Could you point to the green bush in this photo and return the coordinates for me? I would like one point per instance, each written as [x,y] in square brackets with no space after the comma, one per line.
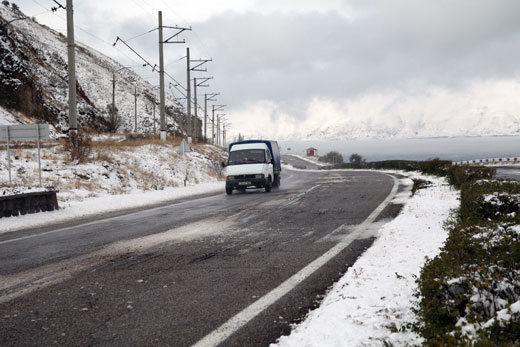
[435,167]
[476,273]
[483,201]
[458,175]
[407,165]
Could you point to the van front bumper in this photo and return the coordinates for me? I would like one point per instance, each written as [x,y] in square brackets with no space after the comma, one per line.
[244,183]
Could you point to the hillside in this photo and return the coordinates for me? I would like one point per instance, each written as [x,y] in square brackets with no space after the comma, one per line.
[34,88]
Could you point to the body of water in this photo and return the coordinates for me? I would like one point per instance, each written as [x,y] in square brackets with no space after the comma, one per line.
[449,148]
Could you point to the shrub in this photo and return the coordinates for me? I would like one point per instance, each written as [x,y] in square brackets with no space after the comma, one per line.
[435,167]
[475,275]
[332,157]
[419,184]
[458,175]
[79,146]
[407,165]
[483,200]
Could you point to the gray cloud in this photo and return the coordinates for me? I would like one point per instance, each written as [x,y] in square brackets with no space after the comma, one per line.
[284,57]
[293,57]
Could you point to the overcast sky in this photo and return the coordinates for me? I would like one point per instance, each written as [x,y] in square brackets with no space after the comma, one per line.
[284,61]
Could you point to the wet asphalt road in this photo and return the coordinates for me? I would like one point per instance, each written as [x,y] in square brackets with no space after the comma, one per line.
[173,274]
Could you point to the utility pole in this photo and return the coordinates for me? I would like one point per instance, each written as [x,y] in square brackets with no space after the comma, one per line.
[188,90]
[135,109]
[154,131]
[219,117]
[161,69]
[214,108]
[188,93]
[206,99]
[195,85]
[113,111]
[224,134]
[161,80]
[73,123]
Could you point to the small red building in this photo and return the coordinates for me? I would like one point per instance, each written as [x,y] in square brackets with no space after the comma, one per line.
[311,152]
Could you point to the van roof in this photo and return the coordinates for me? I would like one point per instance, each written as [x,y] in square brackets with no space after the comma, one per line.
[241,146]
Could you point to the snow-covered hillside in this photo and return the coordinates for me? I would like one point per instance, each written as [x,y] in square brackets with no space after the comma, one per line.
[33,70]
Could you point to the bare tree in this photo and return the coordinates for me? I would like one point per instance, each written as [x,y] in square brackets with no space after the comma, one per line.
[357,160]
[114,121]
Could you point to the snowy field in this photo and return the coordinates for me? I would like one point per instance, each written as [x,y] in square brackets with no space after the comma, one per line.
[373,300]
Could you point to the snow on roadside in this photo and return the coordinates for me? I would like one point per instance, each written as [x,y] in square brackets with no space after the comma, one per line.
[75,209]
[309,160]
[114,178]
[374,297]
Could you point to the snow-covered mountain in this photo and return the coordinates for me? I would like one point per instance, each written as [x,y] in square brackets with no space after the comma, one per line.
[34,82]
[471,108]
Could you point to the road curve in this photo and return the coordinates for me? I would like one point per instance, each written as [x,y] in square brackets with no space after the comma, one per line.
[174,274]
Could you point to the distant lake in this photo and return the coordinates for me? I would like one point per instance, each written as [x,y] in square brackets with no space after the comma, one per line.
[449,148]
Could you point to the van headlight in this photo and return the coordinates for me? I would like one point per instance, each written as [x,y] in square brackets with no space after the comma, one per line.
[260,176]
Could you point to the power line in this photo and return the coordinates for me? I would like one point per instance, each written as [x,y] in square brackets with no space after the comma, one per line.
[37,3]
[135,52]
[149,31]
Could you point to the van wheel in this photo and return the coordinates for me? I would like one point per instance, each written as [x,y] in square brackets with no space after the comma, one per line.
[229,190]
[268,186]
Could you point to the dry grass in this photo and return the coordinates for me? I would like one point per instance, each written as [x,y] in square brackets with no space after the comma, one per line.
[137,141]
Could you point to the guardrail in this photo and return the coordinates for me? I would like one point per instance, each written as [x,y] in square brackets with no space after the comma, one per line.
[489,161]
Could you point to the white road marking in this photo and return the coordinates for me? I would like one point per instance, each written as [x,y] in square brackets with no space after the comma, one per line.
[242,318]
[299,196]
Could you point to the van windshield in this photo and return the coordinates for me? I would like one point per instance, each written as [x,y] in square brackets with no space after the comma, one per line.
[247,156]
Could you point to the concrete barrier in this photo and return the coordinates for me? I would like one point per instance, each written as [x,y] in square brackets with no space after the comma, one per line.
[14,205]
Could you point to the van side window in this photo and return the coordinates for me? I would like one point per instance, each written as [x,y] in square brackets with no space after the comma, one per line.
[268,156]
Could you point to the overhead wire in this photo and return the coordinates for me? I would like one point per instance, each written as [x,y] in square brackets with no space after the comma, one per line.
[147,8]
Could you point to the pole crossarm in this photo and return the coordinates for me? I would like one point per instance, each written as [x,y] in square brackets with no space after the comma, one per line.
[200,63]
[204,80]
[219,107]
[179,31]
[211,96]
[54,9]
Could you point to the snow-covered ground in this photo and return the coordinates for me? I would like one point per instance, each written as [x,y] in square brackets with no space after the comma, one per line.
[115,177]
[373,300]
[312,160]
